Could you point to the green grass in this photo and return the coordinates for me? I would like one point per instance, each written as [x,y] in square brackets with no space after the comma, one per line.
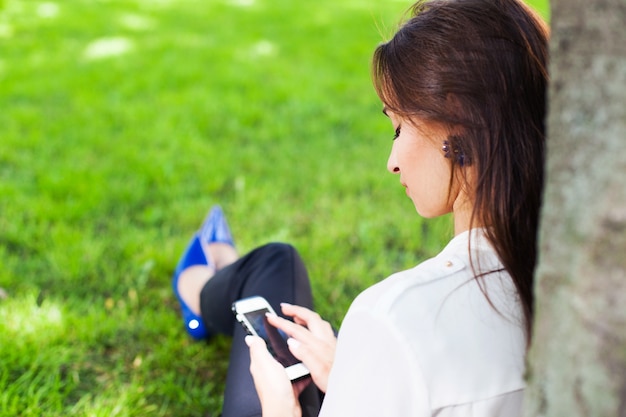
[109,163]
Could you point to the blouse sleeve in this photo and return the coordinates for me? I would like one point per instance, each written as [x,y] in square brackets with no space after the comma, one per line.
[374,372]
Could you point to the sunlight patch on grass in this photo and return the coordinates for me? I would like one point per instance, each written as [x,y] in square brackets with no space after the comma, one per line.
[110,404]
[6,30]
[137,22]
[242,3]
[25,317]
[262,48]
[47,10]
[107,47]
[152,4]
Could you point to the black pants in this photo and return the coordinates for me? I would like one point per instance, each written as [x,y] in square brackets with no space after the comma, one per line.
[277,273]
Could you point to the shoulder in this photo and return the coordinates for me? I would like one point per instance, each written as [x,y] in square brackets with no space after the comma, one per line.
[431,280]
[465,349]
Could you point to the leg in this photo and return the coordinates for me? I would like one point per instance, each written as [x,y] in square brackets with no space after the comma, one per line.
[193,278]
[274,271]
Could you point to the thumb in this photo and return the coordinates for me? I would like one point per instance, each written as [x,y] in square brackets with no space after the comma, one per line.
[262,364]
[258,348]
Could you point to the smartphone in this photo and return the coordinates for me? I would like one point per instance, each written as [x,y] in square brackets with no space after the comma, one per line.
[251,313]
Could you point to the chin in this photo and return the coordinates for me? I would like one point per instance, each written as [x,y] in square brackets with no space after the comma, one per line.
[425,213]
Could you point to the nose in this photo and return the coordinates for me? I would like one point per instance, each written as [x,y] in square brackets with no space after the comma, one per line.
[392,162]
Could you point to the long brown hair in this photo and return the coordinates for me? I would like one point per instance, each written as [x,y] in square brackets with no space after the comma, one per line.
[479,67]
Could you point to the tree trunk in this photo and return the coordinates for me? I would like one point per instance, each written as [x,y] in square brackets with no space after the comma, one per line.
[577,362]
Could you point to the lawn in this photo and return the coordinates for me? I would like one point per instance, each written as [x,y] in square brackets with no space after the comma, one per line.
[121,123]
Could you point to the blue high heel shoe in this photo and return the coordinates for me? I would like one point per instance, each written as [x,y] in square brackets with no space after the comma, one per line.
[193,255]
[213,229]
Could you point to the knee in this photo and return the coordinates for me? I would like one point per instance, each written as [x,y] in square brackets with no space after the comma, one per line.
[278,251]
[282,275]
[279,258]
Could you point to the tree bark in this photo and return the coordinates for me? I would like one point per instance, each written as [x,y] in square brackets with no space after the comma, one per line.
[577,362]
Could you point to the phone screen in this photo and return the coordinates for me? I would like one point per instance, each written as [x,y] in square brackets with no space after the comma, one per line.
[275,339]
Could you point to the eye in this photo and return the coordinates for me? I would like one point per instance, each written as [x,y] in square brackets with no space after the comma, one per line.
[397,134]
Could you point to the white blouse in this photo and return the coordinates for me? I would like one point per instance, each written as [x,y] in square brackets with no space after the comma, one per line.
[427,342]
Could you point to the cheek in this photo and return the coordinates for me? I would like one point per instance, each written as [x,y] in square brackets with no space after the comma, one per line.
[429,185]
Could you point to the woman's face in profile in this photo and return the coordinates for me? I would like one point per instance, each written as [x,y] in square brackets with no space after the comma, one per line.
[417,157]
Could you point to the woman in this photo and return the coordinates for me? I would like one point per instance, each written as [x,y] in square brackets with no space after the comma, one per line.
[463,83]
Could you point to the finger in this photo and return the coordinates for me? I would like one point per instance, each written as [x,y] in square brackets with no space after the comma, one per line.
[306,317]
[292,329]
[262,363]
[310,354]
[318,359]
[258,349]
[254,342]
[297,311]
[291,311]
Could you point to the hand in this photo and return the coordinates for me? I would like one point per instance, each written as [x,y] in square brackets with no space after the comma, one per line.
[279,398]
[312,340]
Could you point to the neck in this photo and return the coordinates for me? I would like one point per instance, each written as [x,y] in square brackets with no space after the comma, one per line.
[462,213]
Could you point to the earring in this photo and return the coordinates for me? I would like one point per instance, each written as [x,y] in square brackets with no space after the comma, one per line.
[454,152]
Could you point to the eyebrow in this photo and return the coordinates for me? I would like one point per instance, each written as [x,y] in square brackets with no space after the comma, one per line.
[385,111]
